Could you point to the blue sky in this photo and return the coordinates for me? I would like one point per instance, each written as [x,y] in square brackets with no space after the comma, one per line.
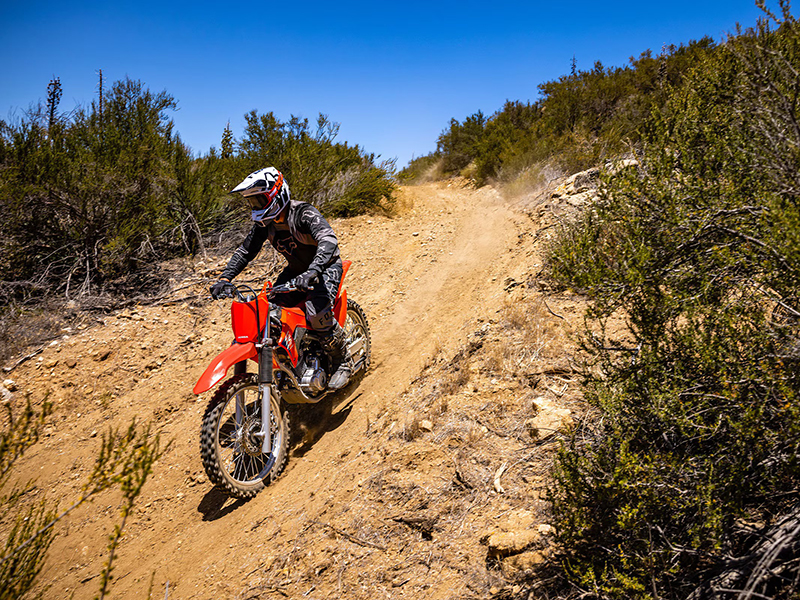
[392,74]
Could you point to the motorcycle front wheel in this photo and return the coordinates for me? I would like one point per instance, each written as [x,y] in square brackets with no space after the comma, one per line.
[231,452]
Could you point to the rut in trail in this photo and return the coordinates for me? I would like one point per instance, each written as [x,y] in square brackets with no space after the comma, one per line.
[395,491]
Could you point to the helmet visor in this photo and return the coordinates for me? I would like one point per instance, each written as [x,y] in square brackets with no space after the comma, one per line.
[260,201]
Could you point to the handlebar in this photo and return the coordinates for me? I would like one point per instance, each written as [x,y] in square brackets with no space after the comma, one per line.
[286,288]
[237,291]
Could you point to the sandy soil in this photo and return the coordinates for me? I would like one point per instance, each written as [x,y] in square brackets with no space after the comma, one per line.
[404,489]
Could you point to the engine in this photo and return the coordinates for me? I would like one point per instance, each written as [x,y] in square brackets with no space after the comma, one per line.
[313,379]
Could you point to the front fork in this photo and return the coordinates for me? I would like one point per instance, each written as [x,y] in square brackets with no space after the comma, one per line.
[265,391]
[238,369]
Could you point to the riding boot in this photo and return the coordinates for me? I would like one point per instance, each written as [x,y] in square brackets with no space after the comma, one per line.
[335,346]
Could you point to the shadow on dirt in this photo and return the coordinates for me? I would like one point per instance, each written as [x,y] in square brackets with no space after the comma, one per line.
[309,423]
[216,504]
[312,421]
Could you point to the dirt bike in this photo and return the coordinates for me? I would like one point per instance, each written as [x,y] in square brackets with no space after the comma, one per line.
[245,435]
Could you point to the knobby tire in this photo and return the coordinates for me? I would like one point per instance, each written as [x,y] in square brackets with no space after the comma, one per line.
[231,458]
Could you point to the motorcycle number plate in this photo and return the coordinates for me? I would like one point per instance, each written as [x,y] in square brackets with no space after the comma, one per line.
[287,343]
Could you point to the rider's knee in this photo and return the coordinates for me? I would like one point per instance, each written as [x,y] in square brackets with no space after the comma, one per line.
[322,321]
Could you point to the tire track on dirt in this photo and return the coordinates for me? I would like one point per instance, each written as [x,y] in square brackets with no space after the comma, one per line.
[424,276]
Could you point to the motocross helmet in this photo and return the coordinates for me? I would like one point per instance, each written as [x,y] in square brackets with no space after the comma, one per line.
[267,192]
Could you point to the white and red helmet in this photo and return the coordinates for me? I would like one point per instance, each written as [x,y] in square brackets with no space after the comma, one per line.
[267,192]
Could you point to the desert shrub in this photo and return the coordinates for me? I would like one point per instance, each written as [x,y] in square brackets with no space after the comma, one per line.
[458,145]
[685,484]
[125,460]
[91,198]
[28,537]
[363,187]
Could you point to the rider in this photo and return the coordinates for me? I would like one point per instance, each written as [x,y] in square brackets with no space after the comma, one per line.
[302,235]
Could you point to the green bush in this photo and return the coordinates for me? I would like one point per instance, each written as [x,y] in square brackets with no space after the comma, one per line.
[86,201]
[458,146]
[684,482]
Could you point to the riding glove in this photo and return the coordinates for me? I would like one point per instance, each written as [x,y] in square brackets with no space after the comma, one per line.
[221,289]
[305,281]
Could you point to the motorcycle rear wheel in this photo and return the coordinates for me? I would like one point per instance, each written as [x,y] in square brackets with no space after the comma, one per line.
[358,337]
[231,453]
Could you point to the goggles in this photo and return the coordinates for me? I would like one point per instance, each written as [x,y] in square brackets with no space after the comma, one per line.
[264,199]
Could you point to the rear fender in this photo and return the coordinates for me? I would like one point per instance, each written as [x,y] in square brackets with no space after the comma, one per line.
[216,371]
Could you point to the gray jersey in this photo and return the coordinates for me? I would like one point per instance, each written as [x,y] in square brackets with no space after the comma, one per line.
[305,239]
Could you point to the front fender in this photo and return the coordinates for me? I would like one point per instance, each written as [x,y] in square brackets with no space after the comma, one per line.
[218,368]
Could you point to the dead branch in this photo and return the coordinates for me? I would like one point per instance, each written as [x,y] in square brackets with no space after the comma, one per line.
[497,487]
[350,537]
[23,359]
[757,568]
[544,301]
[424,525]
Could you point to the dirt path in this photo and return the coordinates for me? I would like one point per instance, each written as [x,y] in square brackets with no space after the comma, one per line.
[432,280]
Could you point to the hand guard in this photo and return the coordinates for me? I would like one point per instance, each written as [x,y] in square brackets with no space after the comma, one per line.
[221,289]
[305,281]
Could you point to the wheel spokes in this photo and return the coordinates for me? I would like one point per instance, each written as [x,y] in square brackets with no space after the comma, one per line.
[357,342]
[239,457]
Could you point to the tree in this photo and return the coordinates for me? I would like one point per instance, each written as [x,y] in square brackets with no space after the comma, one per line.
[459,144]
[110,189]
[339,179]
[227,142]
[53,100]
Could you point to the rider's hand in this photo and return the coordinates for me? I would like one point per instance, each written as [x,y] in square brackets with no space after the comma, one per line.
[221,289]
[305,281]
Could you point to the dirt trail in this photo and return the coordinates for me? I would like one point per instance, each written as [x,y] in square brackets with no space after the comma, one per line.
[431,279]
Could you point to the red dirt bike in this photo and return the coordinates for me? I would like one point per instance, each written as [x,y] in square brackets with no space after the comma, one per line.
[245,437]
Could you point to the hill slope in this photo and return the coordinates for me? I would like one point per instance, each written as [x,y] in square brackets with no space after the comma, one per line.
[426,480]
